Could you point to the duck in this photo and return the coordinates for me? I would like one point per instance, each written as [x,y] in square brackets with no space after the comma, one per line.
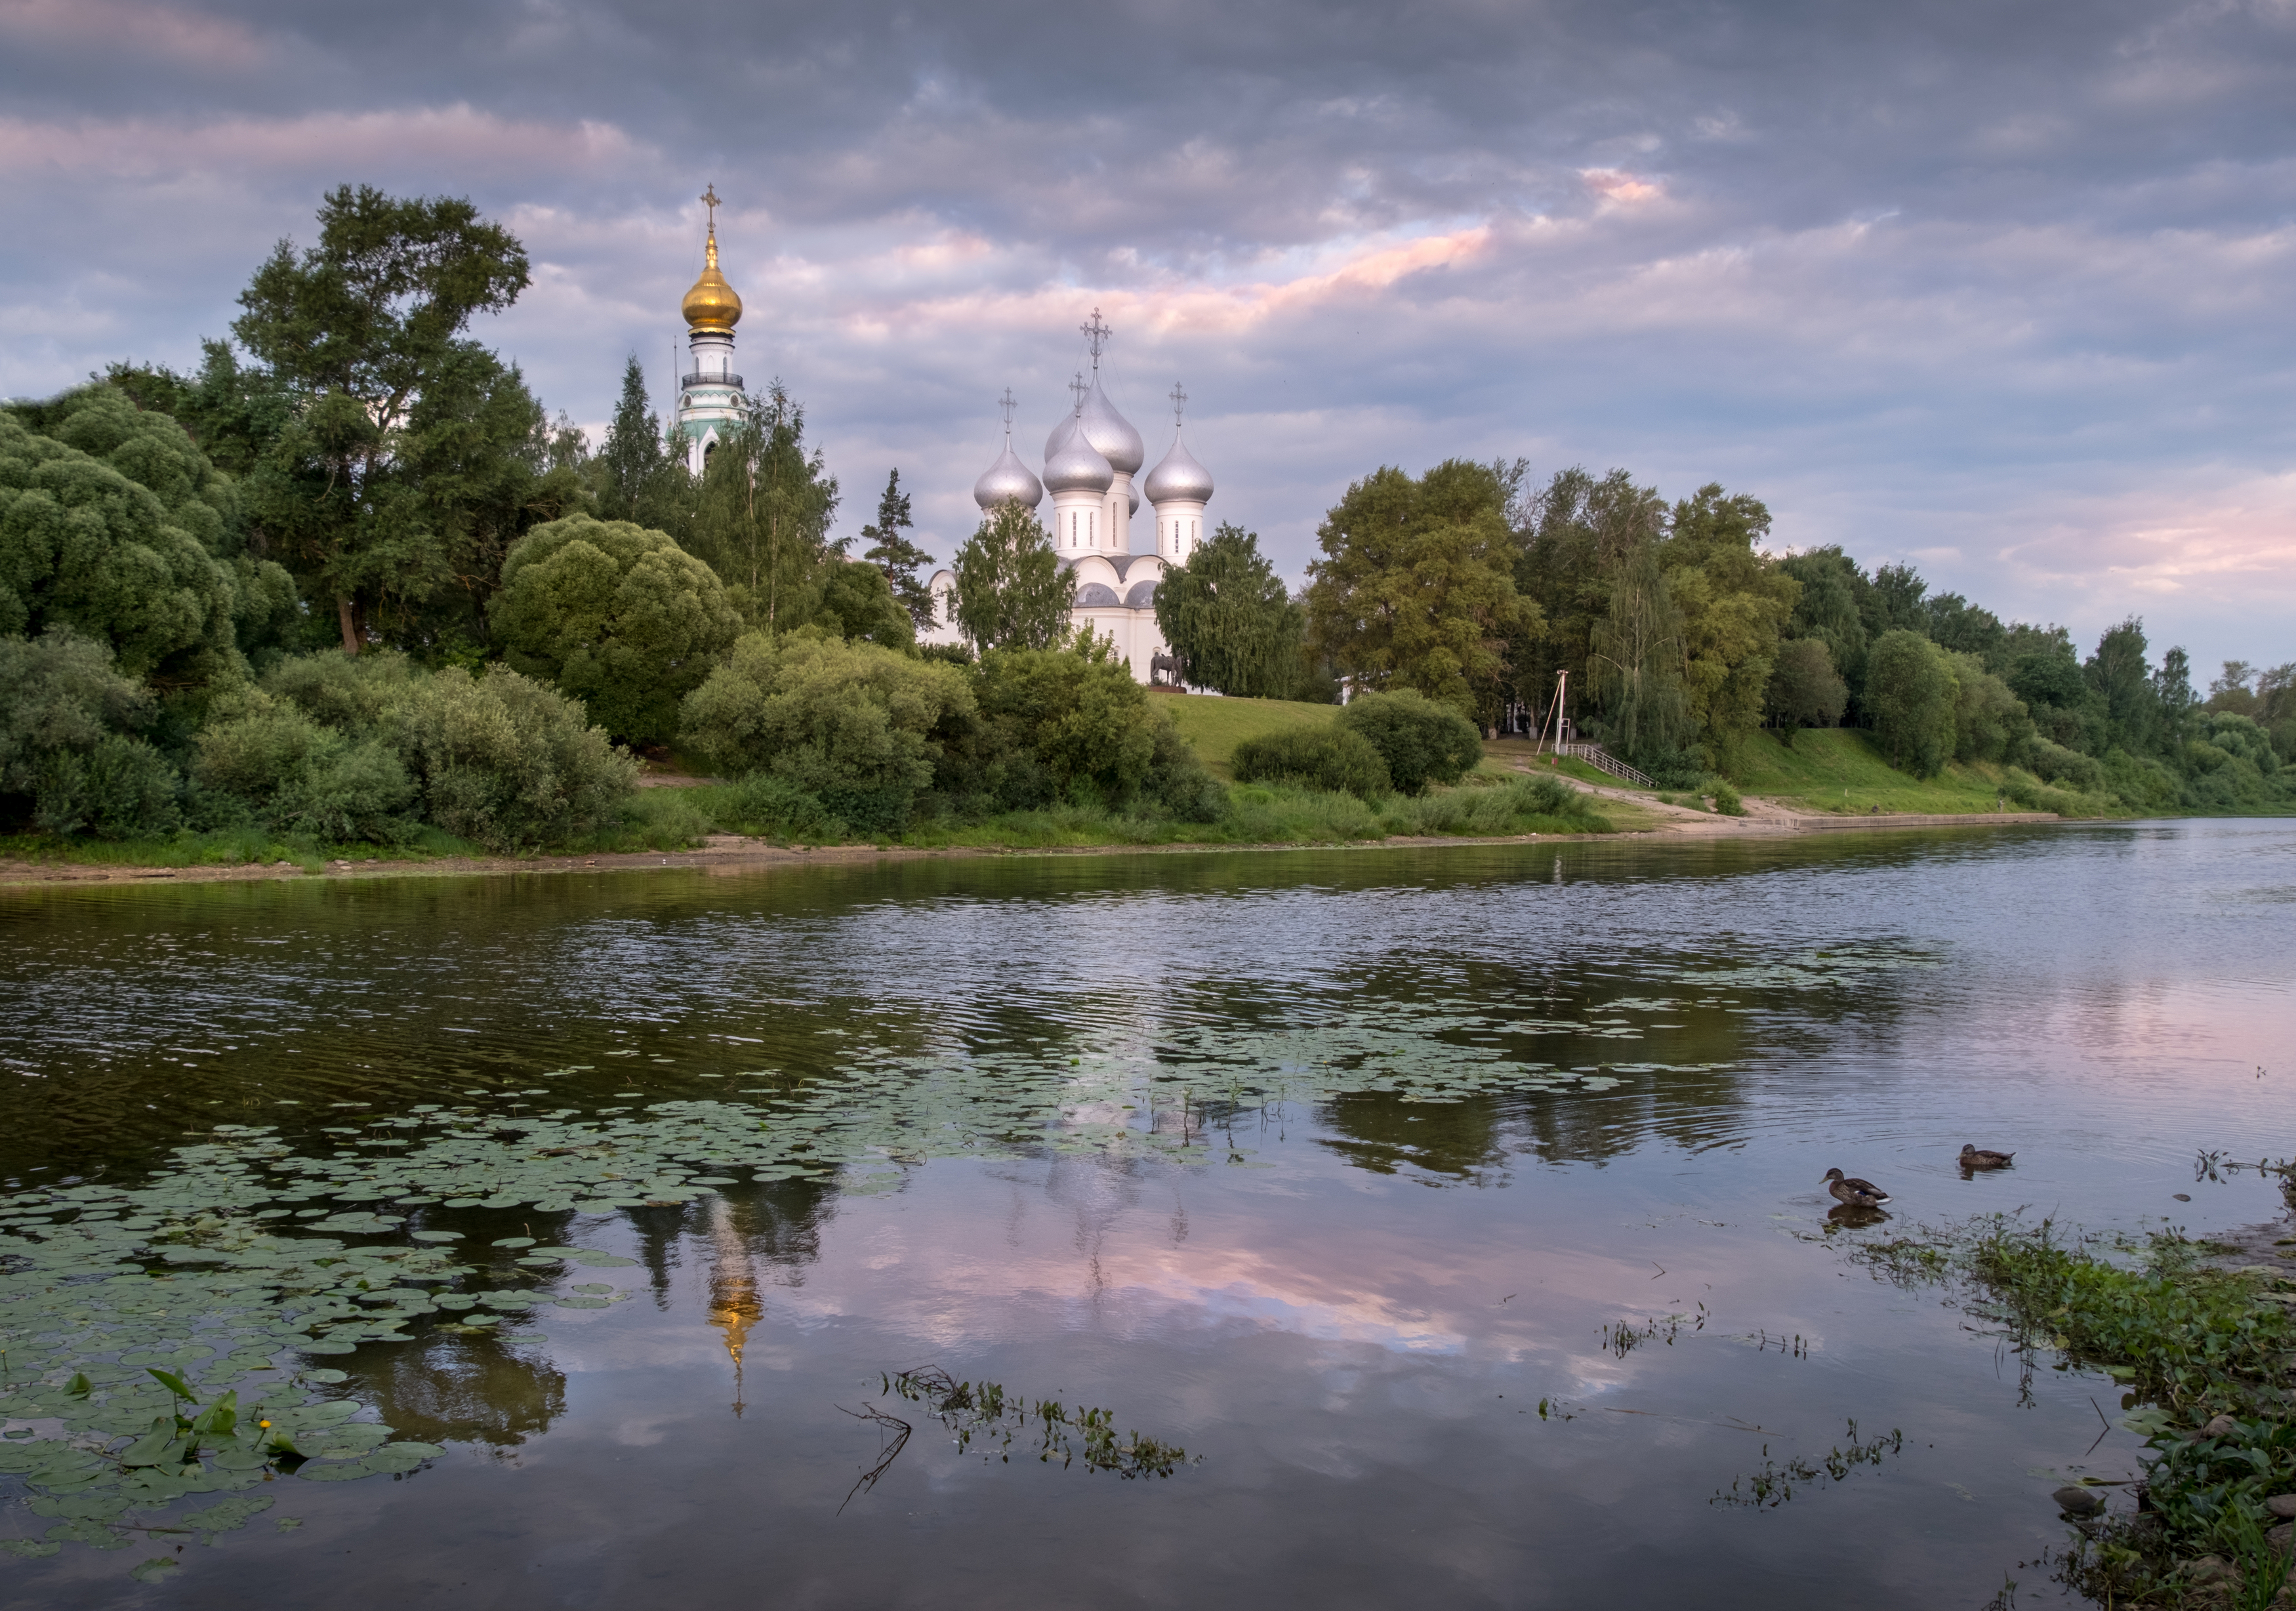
[1854,1192]
[1978,1158]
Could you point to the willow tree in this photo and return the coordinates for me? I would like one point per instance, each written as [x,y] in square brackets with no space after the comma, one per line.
[1635,662]
[762,521]
[1230,622]
[1011,590]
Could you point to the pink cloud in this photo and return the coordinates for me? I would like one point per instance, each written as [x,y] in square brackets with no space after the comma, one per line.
[117,26]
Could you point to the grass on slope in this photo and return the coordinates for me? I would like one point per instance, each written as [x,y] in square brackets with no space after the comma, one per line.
[1838,769]
[1215,726]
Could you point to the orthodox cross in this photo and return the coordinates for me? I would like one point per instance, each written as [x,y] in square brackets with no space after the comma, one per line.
[1179,404]
[1005,405]
[1097,333]
[1077,389]
[709,199]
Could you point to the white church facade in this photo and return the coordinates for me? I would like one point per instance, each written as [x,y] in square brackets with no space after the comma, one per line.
[1091,459]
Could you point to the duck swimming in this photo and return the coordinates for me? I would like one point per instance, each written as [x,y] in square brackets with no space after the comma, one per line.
[1978,1158]
[1849,1189]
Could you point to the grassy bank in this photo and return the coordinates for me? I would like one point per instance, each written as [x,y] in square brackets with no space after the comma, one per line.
[682,819]
[1214,726]
[2201,1354]
[1840,769]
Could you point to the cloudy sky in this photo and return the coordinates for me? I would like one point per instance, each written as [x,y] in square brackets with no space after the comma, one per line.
[2005,288]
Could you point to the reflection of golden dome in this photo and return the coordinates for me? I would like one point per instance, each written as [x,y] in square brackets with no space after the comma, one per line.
[711,303]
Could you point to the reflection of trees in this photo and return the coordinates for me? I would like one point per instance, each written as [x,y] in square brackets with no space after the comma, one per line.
[1381,1132]
[458,1388]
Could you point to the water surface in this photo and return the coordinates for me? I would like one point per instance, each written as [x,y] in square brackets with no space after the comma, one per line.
[1333,1168]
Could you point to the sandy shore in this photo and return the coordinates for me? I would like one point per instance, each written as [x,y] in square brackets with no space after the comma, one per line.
[729,852]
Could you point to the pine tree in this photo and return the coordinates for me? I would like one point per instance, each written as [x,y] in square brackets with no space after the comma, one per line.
[634,453]
[899,557]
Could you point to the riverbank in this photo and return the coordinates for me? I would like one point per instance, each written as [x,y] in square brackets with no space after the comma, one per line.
[734,852]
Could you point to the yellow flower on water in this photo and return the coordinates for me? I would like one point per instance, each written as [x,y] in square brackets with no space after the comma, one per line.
[264,1424]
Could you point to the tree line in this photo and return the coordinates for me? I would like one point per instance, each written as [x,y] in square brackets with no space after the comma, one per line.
[1682,638]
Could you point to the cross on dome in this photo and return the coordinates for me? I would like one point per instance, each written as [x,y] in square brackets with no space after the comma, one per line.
[1179,404]
[1005,405]
[1078,389]
[709,199]
[1097,333]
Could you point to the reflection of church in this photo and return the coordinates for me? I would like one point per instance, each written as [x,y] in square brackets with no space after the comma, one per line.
[1090,460]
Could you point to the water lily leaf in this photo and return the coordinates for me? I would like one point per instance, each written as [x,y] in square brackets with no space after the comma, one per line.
[158,1569]
[516,1241]
[436,1236]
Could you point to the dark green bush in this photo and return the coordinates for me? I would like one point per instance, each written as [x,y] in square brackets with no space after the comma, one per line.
[1070,725]
[1421,742]
[298,776]
[1334,759]
[509,762]
[71,759]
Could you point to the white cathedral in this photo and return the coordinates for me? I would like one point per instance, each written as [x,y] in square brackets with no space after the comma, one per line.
[1090,460]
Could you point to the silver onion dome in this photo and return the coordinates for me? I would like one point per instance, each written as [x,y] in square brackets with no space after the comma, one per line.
[1062,428]
[1078,467]
[1008,481]
[1111,432]
[1179,478]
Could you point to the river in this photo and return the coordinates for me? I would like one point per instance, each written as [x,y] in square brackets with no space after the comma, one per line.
[1457,1212]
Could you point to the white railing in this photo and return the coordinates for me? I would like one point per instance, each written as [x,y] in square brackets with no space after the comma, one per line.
[1603,760]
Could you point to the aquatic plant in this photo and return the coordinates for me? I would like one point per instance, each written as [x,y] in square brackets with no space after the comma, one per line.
[1773,1485]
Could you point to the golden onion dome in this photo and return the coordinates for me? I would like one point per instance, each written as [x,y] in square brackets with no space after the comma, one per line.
[711,303]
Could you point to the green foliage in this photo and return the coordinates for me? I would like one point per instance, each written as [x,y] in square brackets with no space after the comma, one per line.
[1336,759]
[2053,763]
[899,558]
[634,468]
[1909,693]
[506,762]
[1727,801]
[763,514]
[1573,537]
[1635,667]
[854,725]
[410,457]
[1733,605]
[1011,591]
[1070,725]
[1989,723]
[297,776]
[85,545]
[1420,740]
[1416,589]
[2119,673]
[1805,692]
[71,759]
[1516,805]
[857,601]
[619,616]
[1829,610]
[1230,620]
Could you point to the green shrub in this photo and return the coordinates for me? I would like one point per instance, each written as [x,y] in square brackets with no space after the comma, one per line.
[766,803]
[2053,763]
[857,601]
[70,756]
[1421,742]
[298,776]
[1516,805]
[1070,725]
[508,761]
[1727,801]
[619,616]
[1334,759]
[850,723]
[354,692]
[1909,693]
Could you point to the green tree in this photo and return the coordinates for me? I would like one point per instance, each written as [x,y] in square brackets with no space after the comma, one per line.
[1830,608]
[1070,725]
[857,601]
[617,616]
[1011,590]
[634,460]
[408,457]
[1990,722]
[2178,703]
[73,757]
[1734,602]
[1229,619]
[118,527]
[900,559]
[2122,677]
[1573,538]
[1804,690]
[1910,692]
[1894,600]
[1634,666]
[1421,742]
[1416,585]
[763,516]
[1954,624]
